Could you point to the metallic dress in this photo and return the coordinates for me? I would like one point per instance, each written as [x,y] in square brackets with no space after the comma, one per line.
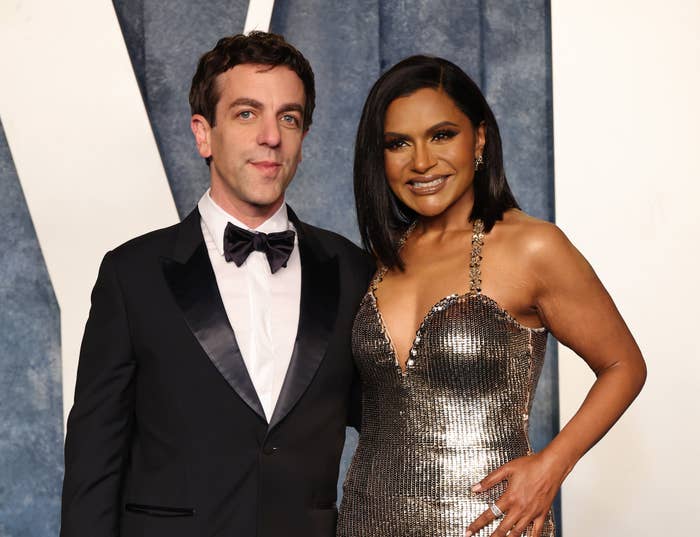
[458,412]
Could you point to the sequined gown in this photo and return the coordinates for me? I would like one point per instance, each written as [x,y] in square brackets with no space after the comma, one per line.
[458,412]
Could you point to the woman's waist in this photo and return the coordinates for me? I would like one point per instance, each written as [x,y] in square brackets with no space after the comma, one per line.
[424,471]
[441,446]
[445,422]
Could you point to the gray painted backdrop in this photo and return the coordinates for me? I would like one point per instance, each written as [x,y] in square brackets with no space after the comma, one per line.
[503,45]
[31,407]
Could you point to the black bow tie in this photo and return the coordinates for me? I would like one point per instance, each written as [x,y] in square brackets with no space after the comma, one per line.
[239,243]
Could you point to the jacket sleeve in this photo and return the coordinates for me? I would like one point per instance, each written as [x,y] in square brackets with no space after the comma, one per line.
[100,422]
[355,410]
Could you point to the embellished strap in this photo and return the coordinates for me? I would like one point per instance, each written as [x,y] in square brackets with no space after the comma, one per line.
[475,261]
[381,270]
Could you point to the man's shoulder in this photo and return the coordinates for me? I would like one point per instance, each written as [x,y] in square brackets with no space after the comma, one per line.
[153,244]
[148,242]
[336,244]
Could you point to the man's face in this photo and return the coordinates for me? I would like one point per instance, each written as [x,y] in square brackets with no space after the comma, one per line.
[255,144]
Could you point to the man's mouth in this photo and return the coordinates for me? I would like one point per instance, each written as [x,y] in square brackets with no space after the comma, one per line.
[265,164]
[267,168]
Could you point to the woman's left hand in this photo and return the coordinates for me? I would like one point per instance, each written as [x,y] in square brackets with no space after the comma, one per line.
[533,482]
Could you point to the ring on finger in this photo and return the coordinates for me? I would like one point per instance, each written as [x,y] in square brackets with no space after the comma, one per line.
[496,511]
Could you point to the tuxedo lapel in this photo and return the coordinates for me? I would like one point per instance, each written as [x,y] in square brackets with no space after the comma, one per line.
[317,313]
[191,279]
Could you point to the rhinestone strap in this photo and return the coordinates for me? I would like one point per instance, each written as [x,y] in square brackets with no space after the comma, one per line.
[381,271]
[475,262]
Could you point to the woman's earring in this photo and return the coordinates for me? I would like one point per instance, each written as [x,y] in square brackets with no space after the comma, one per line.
[478,163]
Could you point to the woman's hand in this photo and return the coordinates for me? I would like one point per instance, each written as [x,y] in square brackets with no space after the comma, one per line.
[575,307]
[533,482]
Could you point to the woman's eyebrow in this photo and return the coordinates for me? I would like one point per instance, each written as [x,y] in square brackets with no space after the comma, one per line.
[433,128]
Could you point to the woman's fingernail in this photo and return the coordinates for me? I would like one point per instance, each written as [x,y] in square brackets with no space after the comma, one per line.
[469,533]
[476,488]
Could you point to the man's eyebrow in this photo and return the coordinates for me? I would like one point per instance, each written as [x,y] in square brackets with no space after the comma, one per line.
[246,101]
[292,107]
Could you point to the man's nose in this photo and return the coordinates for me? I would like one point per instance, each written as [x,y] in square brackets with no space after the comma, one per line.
[269,133]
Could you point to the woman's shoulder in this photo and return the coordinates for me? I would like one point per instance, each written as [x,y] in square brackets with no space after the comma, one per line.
[530,237]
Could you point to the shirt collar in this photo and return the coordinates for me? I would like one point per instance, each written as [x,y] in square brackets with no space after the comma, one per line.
[215,218]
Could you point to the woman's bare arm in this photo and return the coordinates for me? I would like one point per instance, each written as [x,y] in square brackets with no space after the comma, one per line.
[573,304]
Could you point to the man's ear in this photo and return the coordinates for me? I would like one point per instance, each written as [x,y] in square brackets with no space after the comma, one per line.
[301,149]
[202,133]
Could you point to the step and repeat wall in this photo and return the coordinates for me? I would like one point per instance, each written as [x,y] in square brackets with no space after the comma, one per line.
[95,148]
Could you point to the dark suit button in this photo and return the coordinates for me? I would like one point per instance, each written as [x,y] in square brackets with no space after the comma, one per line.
[270,450]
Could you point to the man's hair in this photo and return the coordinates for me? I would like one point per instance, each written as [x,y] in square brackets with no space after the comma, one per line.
[261,48]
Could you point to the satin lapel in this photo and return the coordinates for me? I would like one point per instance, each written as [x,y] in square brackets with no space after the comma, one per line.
[191,279]
[317,313]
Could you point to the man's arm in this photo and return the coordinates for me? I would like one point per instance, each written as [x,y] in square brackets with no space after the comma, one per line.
[355,410]
[99,425]
[369,267]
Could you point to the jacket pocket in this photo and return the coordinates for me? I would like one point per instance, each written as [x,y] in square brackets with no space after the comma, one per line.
[158,510]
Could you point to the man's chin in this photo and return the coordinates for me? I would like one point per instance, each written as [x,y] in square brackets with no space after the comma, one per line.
[266,203]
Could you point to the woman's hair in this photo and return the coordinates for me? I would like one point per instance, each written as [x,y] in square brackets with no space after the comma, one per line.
[381,216]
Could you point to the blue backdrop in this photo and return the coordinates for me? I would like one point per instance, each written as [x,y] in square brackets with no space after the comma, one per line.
[31,408]
[503,45]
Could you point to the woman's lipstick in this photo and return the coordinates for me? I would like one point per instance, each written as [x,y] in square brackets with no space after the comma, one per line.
[425,185]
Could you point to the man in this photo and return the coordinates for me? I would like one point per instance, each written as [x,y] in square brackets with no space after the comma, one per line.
[215,376]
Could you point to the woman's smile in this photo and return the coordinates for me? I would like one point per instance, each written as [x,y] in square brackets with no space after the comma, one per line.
[429,152]
[427,185]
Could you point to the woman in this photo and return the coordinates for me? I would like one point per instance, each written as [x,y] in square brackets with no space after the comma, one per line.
[448,382]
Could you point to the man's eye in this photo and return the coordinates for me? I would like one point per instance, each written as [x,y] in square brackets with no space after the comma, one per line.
[246,114]
[289,118]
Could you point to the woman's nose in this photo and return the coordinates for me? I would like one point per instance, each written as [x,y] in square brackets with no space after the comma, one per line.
[423,158]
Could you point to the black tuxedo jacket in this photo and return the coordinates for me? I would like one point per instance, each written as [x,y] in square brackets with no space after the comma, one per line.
[167,436]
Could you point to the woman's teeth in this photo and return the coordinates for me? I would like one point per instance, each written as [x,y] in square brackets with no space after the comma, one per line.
[428,184]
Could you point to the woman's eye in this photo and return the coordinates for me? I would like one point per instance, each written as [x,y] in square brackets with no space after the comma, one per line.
[396,143]
[444,135]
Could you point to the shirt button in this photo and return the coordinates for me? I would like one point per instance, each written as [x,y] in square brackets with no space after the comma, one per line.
[270,450]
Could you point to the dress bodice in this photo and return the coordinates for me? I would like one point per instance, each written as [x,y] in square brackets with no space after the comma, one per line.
[459,411]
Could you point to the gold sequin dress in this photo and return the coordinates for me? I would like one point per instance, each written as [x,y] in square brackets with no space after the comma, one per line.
[458,412]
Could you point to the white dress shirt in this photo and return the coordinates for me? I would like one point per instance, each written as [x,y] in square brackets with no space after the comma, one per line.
[263,308]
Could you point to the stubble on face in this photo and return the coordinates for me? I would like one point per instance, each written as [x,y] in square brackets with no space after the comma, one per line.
[256,141]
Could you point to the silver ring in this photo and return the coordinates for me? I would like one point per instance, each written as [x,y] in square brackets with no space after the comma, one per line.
[496,511]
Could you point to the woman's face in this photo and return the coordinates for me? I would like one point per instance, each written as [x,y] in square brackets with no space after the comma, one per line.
[429,151]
